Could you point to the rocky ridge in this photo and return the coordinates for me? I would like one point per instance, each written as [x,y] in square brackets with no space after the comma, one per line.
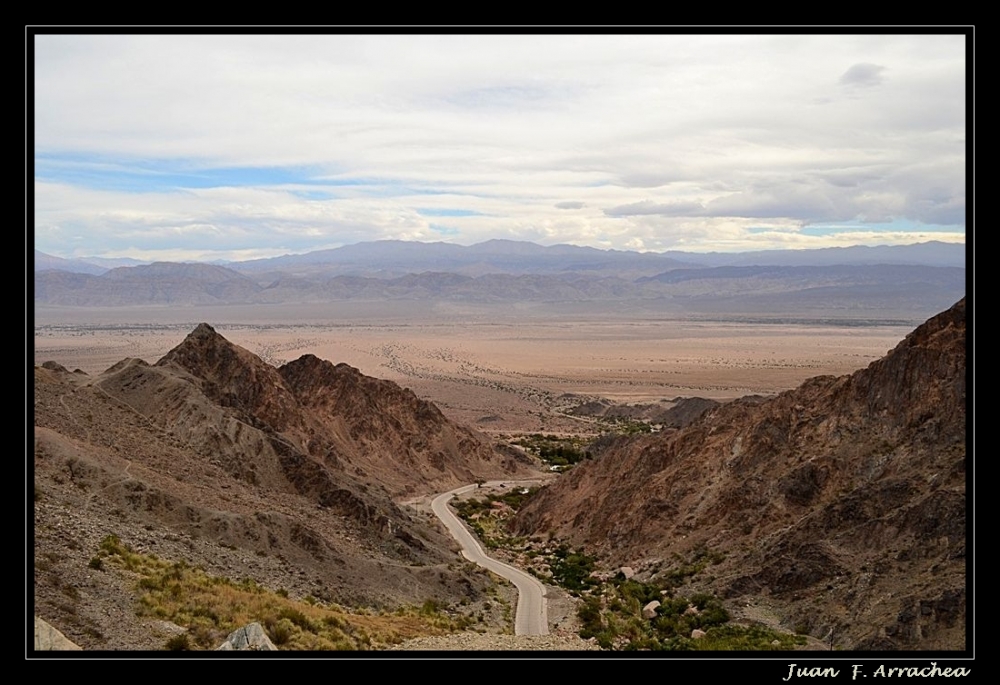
[289,476]
[841,502]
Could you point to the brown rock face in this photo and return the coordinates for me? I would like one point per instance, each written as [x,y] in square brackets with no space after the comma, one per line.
[235,378]
[842,501]
[394,437]
[335,416]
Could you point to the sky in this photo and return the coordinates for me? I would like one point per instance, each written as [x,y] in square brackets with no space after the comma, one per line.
[232,147]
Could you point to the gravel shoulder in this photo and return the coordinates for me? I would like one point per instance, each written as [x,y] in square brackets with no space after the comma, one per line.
[475,642]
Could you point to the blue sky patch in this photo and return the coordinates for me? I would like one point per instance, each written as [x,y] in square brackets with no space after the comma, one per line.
[447,212]
[166,175]
[881,227]
[313,194]
[444,230]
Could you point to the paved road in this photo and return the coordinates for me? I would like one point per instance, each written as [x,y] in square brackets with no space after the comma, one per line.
[531,618]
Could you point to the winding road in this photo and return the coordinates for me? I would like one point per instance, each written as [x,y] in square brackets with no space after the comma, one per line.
[531,617]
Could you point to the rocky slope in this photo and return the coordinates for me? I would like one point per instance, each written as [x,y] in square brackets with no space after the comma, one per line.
[840,503]
[334,415]
[289,476]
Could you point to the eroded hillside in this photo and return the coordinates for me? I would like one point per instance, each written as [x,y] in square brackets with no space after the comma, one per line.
[842,502]
[288,476]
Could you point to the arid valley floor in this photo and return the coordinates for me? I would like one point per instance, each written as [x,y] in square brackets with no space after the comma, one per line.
[495,371]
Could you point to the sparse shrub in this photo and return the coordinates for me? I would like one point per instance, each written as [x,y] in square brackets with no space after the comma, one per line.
[296,617]
[203,633]
[430,607]
[112,544]
[281,633]
[96,563]
[179,643]
[149,583]
[334,622]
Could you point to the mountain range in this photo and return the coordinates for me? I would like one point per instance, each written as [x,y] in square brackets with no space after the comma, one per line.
[390,258]
[905,282]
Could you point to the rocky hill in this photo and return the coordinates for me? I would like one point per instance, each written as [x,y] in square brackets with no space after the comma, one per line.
[841,504]
[290,476]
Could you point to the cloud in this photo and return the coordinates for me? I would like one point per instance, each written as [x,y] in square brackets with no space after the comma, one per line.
[862,75]
[292,143]
[646,208]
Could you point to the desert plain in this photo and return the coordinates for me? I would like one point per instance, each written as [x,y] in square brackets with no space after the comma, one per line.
[502,370]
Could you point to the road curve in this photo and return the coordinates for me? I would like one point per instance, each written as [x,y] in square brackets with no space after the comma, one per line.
[531,617]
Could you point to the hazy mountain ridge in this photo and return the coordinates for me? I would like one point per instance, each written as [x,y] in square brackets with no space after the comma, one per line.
[885,290]
[930,253]
[841,502]
[391,258]
[87,265]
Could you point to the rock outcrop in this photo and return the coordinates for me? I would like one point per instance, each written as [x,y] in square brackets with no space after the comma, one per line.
[251,637]
[48,639]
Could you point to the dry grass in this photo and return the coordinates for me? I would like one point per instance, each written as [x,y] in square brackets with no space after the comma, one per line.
[211,607]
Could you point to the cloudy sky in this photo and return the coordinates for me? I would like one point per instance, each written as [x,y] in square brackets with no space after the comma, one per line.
[235,147]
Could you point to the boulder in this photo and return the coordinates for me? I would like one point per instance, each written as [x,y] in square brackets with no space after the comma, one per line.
[250,637]
[48,639]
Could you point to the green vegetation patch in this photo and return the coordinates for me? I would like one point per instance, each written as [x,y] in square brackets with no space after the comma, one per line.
[612,609]
[573,570]
[562,452]
[613,616]
[488,516]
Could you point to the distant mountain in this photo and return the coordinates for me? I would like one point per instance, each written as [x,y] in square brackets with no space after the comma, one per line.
[113,262]
[46,262]
[867,291]
[840,505]
[932,253]
[393,258]
[152,284]
[846,288]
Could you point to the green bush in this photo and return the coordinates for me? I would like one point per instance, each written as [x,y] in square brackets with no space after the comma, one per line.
[179,643]
[296,617]
[281,632]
